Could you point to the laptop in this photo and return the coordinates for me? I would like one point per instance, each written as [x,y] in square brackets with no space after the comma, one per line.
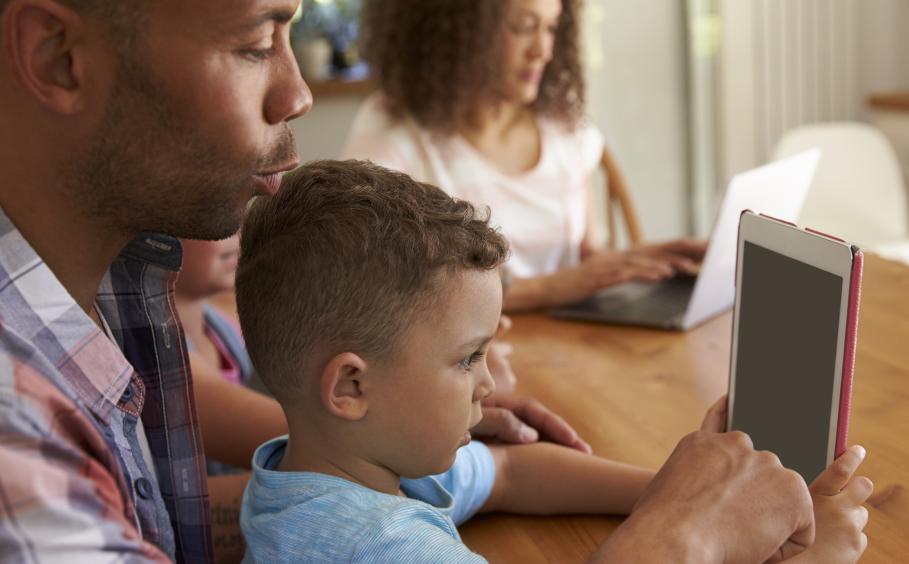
[683,302]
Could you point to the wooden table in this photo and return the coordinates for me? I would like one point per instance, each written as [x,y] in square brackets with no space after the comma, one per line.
[633,393]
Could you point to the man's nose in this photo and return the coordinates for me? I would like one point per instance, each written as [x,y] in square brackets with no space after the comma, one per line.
[289,96]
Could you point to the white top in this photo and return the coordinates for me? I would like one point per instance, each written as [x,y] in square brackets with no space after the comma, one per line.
[542,212]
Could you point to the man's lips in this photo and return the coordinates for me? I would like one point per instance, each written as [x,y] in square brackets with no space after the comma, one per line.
[270,182]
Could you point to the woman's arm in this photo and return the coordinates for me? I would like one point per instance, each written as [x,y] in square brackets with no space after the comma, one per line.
[233,420]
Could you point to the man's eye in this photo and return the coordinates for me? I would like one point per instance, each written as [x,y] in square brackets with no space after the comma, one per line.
[259,54]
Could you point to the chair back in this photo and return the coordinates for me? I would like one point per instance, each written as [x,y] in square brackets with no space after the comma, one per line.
[858,192]
[619,203]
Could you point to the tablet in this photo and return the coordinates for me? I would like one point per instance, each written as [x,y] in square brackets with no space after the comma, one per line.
[793,341]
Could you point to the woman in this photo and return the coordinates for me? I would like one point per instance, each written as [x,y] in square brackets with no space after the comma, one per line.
[486,100]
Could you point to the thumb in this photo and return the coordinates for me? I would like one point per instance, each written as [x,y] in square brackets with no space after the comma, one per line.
[715,420]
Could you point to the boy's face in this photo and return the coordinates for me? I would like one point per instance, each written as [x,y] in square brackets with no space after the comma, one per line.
[427,397]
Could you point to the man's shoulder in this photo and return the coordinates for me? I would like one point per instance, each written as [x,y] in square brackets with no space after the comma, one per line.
[26,376]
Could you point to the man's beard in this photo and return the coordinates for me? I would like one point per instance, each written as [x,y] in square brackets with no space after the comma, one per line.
[147,170]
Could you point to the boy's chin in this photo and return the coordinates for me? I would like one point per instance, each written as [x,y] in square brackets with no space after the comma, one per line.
[431,468]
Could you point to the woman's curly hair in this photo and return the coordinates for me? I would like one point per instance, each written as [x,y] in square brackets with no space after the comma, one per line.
[440,60]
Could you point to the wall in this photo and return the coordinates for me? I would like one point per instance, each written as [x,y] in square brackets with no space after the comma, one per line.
[790,62]
[636,61]
[322,133]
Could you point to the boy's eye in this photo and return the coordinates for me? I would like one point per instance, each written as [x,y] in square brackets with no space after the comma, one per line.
[468,362]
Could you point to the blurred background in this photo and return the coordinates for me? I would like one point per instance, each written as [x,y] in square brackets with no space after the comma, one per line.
[687,92]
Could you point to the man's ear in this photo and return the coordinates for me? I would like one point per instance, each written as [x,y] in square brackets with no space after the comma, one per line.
[43,42]
[341,388]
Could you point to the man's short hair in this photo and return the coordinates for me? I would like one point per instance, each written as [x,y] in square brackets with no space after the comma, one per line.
[124,17]
[346,257]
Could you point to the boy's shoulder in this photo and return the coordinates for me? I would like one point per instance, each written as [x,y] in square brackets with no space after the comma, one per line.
[321,518]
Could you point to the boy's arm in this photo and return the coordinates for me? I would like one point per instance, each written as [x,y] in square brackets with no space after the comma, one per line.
[543,478]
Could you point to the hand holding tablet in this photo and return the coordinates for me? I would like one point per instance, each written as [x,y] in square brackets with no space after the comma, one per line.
[790,388]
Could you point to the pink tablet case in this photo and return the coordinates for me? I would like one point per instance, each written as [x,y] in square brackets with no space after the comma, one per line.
[855,293]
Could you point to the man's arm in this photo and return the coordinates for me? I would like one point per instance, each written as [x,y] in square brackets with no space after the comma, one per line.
[225,494]
[715,500]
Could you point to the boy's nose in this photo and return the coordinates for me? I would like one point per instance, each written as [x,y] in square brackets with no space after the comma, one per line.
[486,386]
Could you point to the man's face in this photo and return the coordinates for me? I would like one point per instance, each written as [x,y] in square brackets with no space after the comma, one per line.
[196,120]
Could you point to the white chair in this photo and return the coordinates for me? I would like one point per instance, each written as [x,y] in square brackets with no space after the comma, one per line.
[858,191]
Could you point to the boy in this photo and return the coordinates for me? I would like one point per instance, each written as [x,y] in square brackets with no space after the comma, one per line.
[368,301]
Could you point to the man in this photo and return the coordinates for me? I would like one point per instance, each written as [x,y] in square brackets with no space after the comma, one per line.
[121,121]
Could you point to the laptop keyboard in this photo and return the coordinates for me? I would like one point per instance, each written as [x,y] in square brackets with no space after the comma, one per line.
[664,299]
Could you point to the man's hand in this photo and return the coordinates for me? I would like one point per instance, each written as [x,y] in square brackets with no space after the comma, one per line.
[715,500]
[516,419]
[715,419]
[837,496]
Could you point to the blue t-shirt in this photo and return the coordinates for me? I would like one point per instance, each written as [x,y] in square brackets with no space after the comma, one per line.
[313,517]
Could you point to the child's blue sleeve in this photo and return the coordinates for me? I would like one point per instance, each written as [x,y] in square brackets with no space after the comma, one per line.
[469,480]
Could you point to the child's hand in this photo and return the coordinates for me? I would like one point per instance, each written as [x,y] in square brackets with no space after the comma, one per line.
[838,512]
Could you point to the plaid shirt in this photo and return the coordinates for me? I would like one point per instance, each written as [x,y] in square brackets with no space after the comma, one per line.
[73,483]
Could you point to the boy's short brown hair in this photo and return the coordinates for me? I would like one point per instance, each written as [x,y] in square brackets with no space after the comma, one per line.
[344,258]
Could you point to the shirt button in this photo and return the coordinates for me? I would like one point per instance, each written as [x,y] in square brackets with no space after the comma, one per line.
[143,488]
[127,394]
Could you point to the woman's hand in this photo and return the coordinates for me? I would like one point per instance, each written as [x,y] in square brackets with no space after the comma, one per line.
[601,269]
[520,420]
[607,268]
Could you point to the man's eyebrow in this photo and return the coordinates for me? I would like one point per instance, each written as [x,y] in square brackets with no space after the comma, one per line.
[280,16]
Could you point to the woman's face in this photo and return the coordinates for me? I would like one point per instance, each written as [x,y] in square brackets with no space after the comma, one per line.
[530,28]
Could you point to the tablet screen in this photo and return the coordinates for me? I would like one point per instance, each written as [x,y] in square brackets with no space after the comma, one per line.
[787,345]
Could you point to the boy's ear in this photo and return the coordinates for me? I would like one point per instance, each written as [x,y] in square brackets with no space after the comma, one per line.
[341,388]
